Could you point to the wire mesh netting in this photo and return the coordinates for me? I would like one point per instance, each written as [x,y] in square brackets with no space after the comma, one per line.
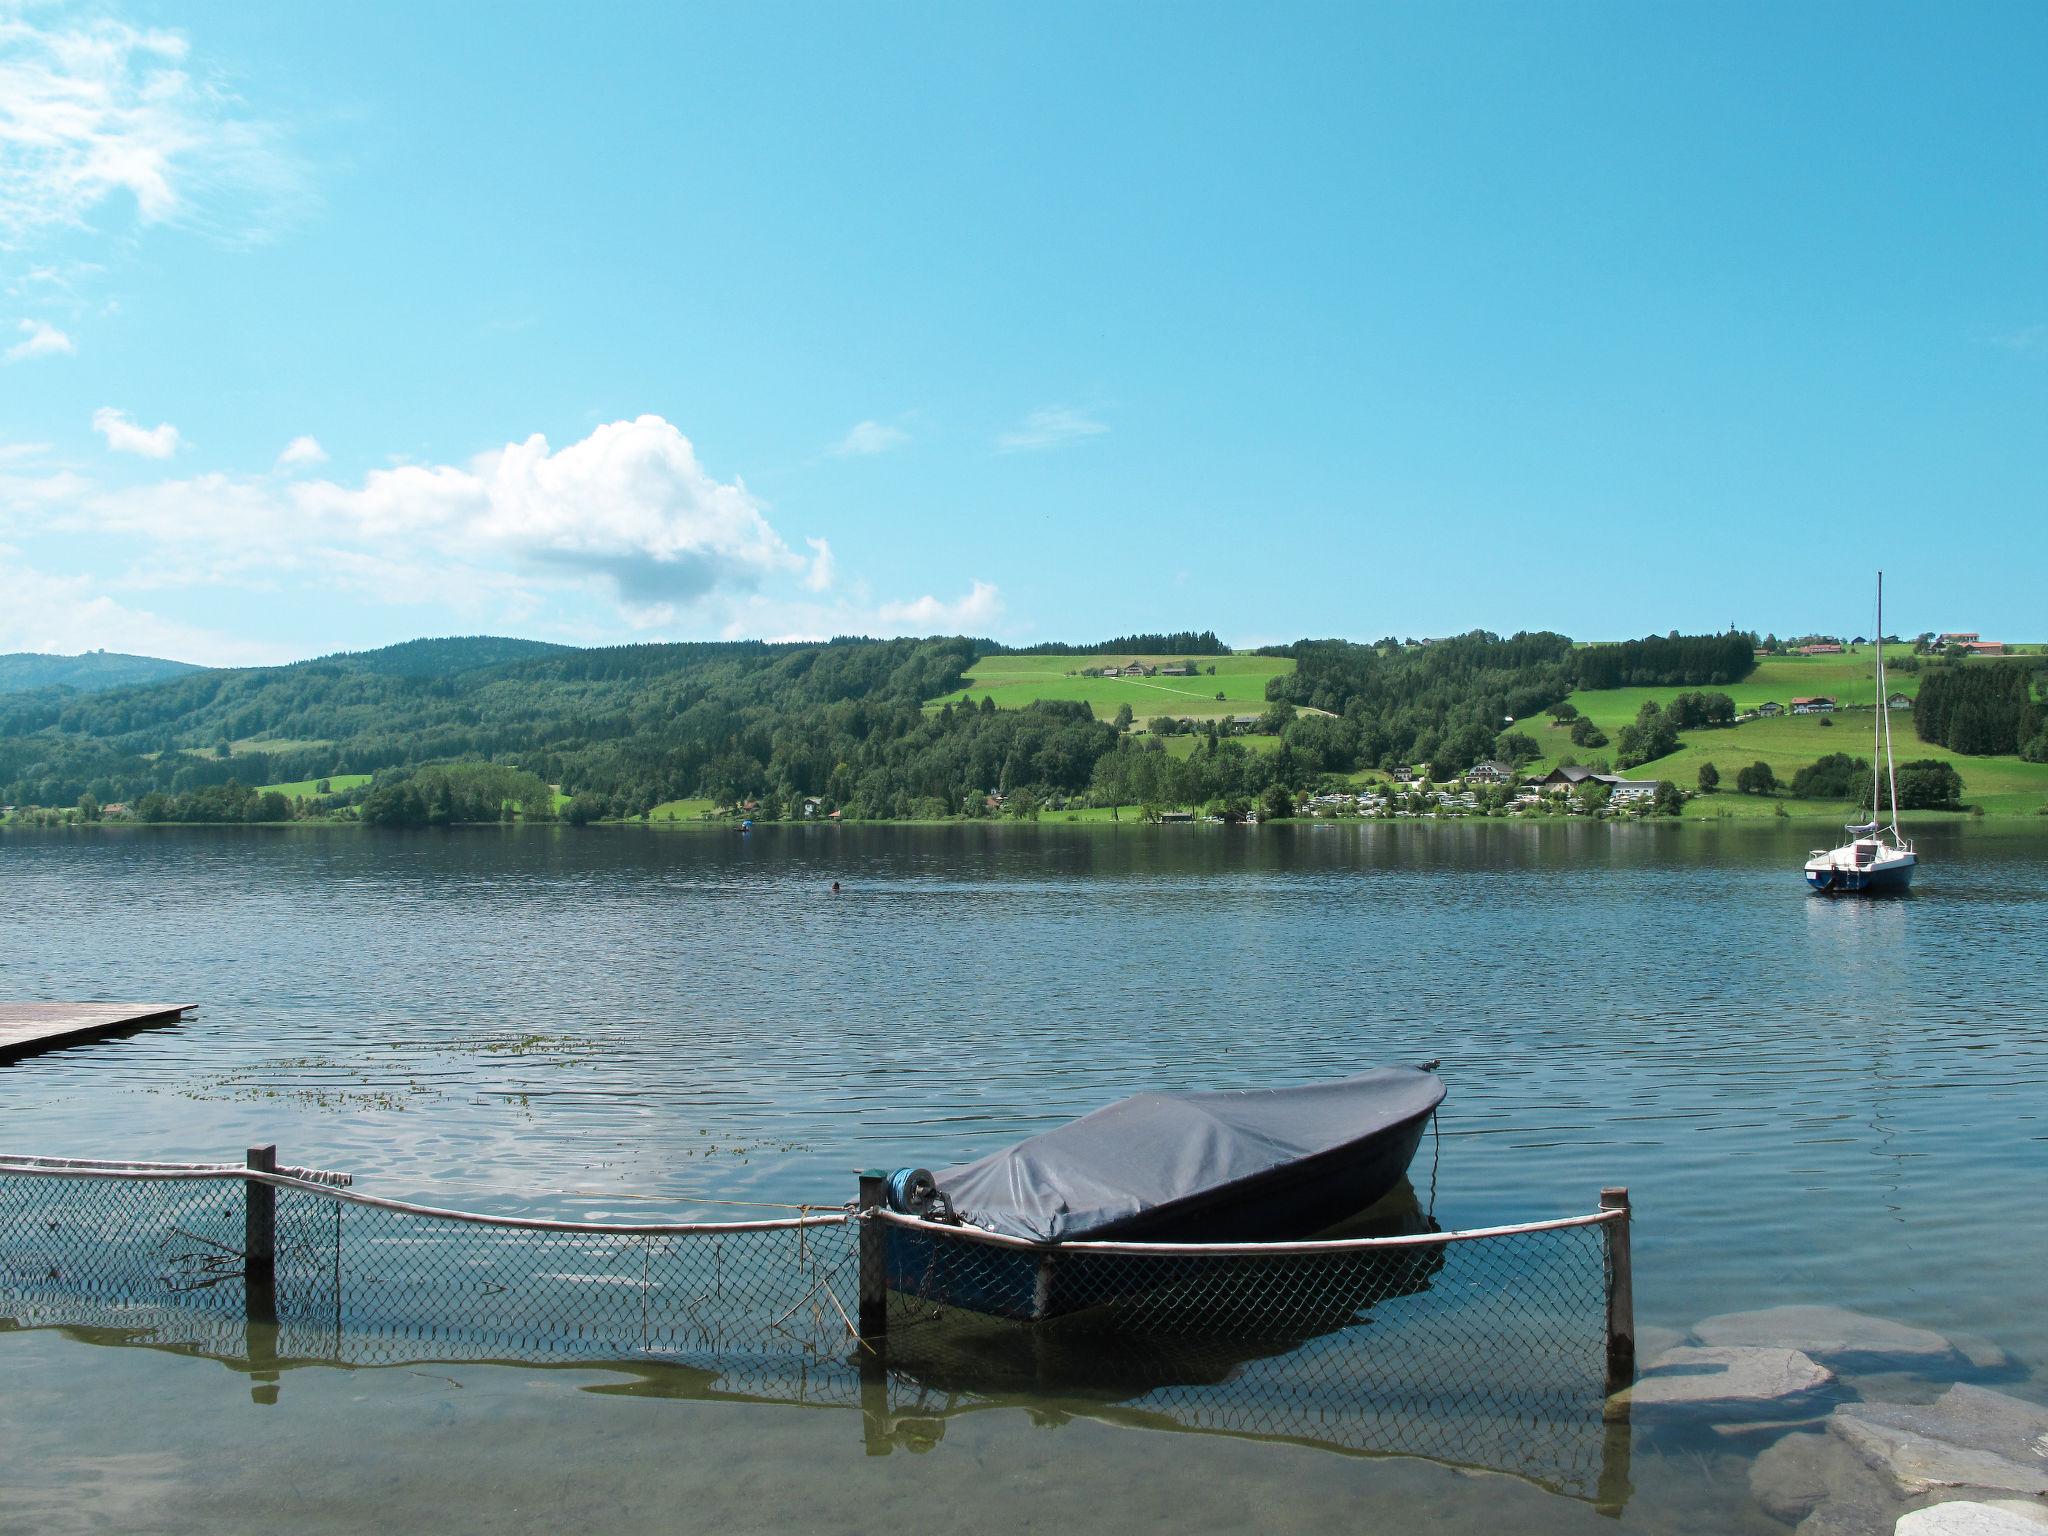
[1486,1352]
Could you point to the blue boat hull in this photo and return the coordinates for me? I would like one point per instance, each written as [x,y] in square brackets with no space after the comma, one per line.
[1853,882]
[1033,1285]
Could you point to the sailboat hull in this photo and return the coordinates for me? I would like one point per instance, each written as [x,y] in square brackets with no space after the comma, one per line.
[1856,882]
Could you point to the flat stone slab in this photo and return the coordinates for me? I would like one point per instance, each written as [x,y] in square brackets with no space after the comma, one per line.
[1826,1333]
[1693,1374]
[1973,1517]
[1969,1437]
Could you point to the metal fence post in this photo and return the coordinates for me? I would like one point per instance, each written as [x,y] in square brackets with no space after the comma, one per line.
[874,1269]
[259,1220]
[1621,1292]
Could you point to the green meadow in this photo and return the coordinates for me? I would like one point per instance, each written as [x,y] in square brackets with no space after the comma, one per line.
[1016,681]
[682,810]
[2003,786]
[306,789]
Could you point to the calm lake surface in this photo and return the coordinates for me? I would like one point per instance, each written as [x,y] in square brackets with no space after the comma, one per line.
[1810,1100]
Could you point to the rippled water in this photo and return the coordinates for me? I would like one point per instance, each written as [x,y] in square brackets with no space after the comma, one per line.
[1810,1099]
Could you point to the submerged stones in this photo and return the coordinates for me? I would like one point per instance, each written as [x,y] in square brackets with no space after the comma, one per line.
[1841,1336]
[1978,1457]
[1969,1437]
[1703,1376]
[1972,1517]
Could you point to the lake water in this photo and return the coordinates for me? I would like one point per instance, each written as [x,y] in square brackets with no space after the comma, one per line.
[1810,1100]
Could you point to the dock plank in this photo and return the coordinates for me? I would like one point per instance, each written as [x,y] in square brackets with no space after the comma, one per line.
[26,1028]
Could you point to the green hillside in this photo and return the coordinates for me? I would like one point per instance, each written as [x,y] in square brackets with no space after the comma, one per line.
[1017,681]
[21,671]
[2001,785]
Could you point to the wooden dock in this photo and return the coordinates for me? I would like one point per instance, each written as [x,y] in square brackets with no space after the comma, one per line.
[26,1028]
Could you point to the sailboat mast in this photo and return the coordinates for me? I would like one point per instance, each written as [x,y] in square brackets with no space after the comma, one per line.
[1884,713]
[1877,720]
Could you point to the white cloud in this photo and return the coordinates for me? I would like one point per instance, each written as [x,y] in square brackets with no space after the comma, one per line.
[2028,338]
[981,606]
[302,450]
[869,437]
[98,110]
[44,340]
[624,528]
[1051,426]
[123,436]
[68,614]
[823,567]
[629,503]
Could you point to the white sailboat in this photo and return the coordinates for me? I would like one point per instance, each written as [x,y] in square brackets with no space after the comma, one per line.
[1877,857]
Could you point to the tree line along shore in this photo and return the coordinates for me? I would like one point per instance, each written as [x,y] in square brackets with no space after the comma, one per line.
[488,730]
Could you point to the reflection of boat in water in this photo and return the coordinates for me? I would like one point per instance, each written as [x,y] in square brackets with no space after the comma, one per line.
[1010,1235]
[1877,857]
[1084,1354]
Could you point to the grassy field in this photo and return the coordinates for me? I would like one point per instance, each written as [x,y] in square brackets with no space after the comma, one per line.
[1184,746]
[2002,785]
[305,789]
[250,744]
[1015,681]
[682,810]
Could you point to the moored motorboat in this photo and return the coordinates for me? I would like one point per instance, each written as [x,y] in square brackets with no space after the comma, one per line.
[1254,1165]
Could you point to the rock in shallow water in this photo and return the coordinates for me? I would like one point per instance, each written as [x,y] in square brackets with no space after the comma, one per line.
[1968,1517]
[1693,1375]
[1800,1472]
[1826,1333]
[1967,1438]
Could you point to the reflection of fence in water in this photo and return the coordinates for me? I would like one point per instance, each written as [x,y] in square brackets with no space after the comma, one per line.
[1485,1353]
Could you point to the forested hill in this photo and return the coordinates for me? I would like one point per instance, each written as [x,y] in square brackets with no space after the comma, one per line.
[626,728]
[21,671]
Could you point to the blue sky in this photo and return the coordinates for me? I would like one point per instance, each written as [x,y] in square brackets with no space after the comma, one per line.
[332,326]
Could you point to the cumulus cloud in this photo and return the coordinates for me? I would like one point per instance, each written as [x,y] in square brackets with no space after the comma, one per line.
[630,503]
[301,450]
[866,438]
[123,436]
[1051,426]
[42,340]
[97,110]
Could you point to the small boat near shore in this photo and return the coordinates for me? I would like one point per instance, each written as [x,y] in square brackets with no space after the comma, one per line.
[1255,1165]
[1878,857]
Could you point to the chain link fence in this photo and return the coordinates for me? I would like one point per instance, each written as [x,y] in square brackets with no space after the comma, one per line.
[1484,1351]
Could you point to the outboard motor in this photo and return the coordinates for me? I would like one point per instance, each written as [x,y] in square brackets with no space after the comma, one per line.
[911,1191]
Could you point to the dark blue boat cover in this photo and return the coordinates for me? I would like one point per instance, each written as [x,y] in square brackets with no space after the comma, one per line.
[1158,1148]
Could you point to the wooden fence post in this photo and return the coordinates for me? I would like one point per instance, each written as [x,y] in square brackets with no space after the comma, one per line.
[259,1220]
[874,1267]
[1621,1292]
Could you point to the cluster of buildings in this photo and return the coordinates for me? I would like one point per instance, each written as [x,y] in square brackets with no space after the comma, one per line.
[1967,642]
[1464,793]
[1146,669]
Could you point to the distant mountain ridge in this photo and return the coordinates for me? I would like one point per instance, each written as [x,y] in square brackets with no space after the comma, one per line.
[91,672]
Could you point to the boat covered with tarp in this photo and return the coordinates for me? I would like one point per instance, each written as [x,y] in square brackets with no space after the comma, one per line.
[1229,1166]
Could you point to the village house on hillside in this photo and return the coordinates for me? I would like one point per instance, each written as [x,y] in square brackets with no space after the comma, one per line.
[1490,773]
[1897,701]
[1819,704]
[1620,790]
[1773,707]
[1828,649]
